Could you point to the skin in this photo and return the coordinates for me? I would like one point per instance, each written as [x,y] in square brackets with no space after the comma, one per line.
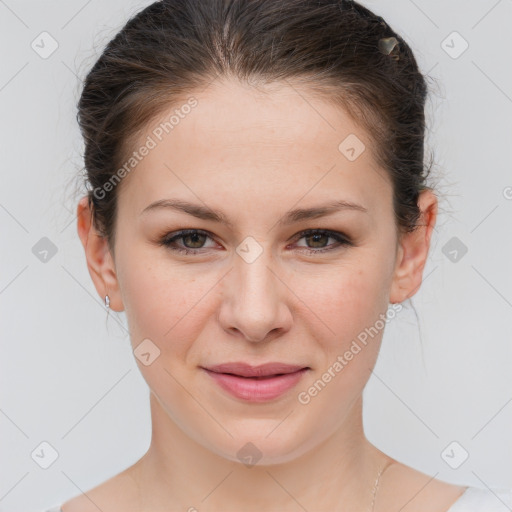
[254,156]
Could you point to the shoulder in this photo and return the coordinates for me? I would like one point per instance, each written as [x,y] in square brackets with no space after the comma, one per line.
[476,499]
[410,490]
[107,496]
[414,491]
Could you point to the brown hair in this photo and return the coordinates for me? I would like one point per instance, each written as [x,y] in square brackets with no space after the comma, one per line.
[338,48]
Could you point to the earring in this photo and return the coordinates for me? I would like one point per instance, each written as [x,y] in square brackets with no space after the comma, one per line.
[107,301]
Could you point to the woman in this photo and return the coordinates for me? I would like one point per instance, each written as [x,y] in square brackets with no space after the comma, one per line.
[257,200]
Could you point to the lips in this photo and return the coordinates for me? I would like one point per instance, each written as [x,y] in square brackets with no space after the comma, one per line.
[263,370]
[261,383]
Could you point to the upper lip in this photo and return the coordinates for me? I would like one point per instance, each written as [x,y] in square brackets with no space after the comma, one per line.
[262,370]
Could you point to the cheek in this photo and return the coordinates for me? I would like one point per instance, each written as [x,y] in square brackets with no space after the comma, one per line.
[161,302]
[170,305]
[346,299]
[350,304]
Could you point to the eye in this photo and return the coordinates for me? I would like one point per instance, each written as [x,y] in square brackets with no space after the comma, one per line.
[193,239]
[317,235]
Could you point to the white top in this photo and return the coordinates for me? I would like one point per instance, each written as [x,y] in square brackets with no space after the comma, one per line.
[474,499]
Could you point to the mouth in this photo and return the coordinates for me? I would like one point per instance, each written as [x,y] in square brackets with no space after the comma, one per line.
[256,383]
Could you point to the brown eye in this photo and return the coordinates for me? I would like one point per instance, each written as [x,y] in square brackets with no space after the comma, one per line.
[192,241]
[317,237]
[197,239]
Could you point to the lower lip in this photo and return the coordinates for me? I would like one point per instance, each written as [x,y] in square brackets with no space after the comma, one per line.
[257,390]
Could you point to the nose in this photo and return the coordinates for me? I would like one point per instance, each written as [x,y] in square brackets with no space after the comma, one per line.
[255,304]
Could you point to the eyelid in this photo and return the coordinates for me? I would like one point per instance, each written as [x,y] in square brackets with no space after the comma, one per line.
[329,232]
[181,233]
[342,240]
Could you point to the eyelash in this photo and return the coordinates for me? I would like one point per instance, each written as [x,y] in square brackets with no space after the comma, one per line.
[340,238]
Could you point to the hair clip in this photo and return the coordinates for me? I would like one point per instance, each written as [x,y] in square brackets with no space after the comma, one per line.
[387,45]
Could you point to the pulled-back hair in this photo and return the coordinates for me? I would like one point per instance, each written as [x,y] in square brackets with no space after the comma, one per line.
[338,49]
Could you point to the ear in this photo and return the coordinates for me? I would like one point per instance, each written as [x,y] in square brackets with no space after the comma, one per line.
[99,259]
[413,251]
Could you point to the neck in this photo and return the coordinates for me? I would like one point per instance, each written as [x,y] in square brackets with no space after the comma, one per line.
[178,470]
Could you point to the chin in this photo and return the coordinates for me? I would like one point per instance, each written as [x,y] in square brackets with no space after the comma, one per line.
[260,443]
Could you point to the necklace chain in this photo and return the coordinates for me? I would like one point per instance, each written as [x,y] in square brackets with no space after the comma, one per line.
[377,481]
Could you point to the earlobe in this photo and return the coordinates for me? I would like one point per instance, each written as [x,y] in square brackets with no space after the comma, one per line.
[413,251]
[99,259]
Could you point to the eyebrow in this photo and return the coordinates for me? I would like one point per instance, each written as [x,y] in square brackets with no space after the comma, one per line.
[290,217]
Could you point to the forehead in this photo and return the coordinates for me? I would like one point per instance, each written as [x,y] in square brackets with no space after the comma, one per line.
[257,143]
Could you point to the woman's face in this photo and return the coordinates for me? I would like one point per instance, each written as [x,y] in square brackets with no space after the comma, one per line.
[253,289]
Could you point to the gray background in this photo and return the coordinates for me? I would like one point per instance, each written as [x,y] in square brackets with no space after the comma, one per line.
[68,377]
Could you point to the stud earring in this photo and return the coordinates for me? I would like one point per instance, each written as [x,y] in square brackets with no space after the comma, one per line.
[107,301]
